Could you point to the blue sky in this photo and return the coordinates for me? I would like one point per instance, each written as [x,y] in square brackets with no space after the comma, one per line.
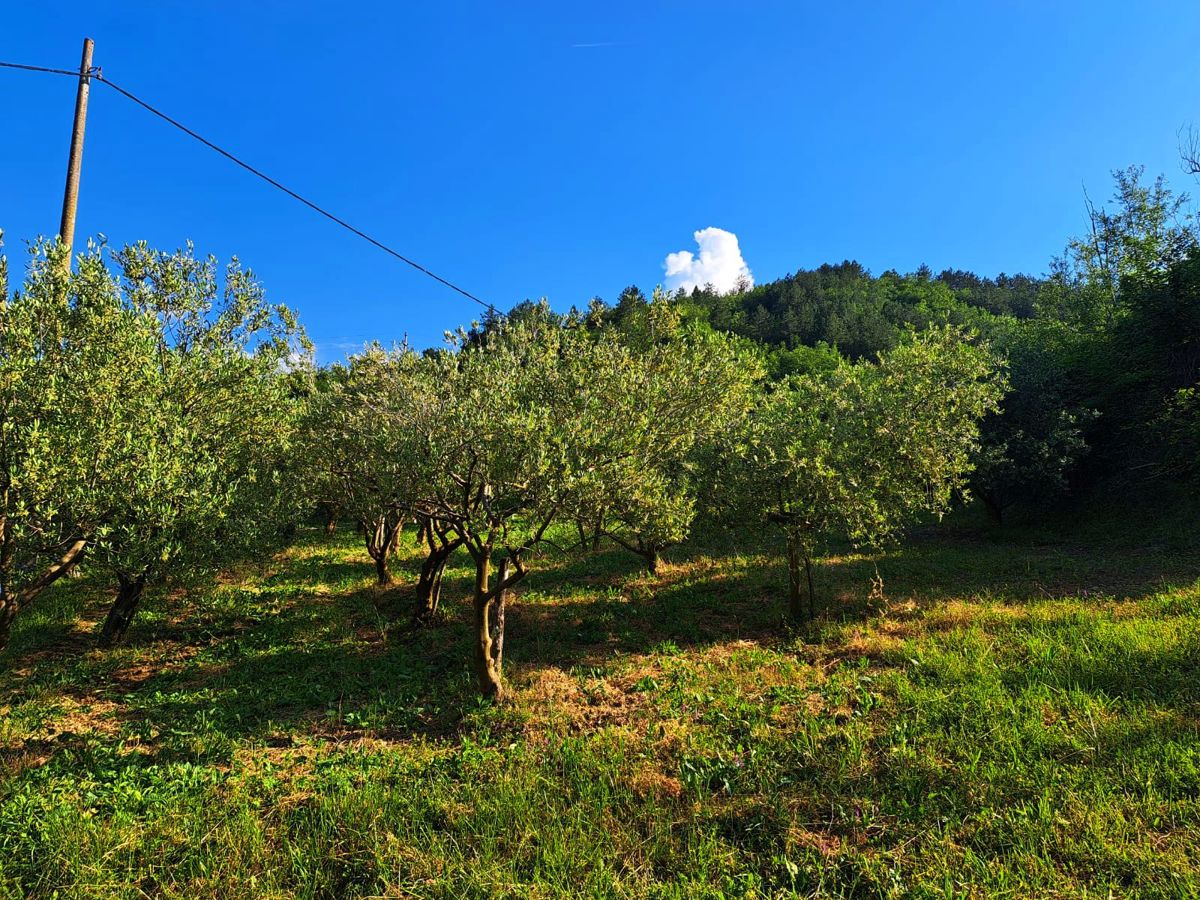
[563,150]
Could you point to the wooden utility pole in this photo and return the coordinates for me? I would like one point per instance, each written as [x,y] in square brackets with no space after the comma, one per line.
[66,230]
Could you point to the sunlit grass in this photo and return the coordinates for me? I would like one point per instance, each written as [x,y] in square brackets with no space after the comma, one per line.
[1012,715]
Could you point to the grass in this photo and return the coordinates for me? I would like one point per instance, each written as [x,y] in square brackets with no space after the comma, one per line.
[1014,714]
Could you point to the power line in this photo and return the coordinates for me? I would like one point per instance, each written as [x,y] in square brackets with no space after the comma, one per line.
[9,65]
[98,75]
[313,206]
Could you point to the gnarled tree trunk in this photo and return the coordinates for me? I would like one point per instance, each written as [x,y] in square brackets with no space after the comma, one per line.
[798,558]
[489,607]
[383,575]
[429,589]
[795,607]
[652,558]
[590,533]
[491,681]
[429,585]
[13,601]
[650,553]
[129,595]
[8,612]
[498,616]
[382,537]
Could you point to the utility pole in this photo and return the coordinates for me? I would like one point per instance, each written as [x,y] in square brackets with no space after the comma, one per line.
[66,231]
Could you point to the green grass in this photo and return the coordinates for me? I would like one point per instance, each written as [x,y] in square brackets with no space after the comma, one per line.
[1016,714]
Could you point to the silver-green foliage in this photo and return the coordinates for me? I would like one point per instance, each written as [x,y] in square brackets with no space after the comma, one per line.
[65,380]
[364,447]
[536,421]
[867,449]
[208,422]
[675,390]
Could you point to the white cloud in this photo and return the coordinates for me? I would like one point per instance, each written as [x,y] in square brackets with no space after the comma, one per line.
[720,263]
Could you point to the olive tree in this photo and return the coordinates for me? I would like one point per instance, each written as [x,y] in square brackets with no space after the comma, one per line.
[362,453]
[680,388]
[416,410]
[207,426]
[531,424]
[866,449]
[502,464]
[66,350]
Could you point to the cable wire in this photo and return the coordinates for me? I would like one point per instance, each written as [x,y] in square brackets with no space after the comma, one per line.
[9,65]
[99,76]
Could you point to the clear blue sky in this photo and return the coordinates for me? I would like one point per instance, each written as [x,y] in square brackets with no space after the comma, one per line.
[563,150]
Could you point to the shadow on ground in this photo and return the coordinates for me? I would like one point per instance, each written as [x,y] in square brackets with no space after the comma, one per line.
[312,649]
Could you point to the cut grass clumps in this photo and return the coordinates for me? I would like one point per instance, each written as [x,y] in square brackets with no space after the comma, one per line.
[1000,718]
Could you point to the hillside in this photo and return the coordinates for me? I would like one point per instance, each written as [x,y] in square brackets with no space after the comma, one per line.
[846,307]
[1014,713]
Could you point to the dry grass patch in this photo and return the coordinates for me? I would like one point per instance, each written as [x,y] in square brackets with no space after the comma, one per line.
[554,697]
[649,782]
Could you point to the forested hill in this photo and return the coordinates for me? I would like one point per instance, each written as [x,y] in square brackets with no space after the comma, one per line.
[846,307]
[1102,354]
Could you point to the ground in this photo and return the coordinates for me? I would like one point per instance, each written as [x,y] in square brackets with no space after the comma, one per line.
[1001,712]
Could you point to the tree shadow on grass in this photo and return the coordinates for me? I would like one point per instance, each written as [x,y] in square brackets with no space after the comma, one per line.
[312,649]
[702,599]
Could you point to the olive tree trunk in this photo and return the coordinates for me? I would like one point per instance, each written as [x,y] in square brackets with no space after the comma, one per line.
[429,589]
[13,601]
[121,613]
[330,513]
[650,553]
[8,612]
[798,559]
[498,616]
[382,537]
[429,584]
[489,608]
[491,681]
[440,543]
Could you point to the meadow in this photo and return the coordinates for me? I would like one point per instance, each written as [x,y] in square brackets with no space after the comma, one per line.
[983,712]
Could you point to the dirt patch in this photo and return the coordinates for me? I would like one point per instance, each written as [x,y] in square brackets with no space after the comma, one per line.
[875,646]
[828,845]
[30,755]
[94,716]
[651,783]
[73,726]
[553,695]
